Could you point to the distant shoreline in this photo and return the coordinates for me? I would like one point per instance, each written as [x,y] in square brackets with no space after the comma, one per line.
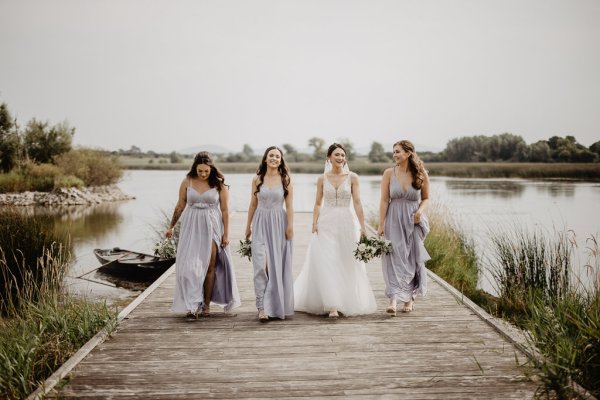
[572,171]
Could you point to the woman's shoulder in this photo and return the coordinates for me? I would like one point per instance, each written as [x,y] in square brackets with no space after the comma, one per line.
[388,171]
[186,181]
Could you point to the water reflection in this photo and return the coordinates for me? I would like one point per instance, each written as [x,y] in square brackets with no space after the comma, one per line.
[81,222]
[557,189]
[488,188]
[93,222]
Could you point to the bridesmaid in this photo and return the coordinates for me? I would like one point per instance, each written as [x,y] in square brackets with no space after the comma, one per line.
[204,271]
[404,197]
[271,229]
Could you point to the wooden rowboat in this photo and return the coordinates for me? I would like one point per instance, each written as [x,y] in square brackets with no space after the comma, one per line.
[132,264]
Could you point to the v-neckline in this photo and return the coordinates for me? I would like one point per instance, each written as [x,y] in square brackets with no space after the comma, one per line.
[341,183]
[400,183]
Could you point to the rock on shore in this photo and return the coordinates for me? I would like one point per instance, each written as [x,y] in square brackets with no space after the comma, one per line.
[66,197]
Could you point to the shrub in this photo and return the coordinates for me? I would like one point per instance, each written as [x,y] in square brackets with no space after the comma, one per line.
[40,177]
[12,182]
[93,167]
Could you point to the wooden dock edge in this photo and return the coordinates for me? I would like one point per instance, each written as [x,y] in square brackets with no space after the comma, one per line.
[100,337]
[515,337]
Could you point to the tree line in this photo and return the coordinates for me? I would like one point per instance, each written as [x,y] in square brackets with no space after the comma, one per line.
[509,147]
[505,147]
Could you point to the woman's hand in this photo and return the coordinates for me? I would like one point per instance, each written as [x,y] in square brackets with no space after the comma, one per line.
[417,219]
[169,233]
[380,230]
[248,233]
[224,241]
[289,233]
[363,232]
[315,228]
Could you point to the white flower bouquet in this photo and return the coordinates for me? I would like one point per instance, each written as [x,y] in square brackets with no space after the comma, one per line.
[165,249]
[245,249]
[370,247]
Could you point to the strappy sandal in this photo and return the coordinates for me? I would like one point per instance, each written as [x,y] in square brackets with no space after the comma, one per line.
[391,309]
[408,309]
[333,314]
[205,312]
[261,316]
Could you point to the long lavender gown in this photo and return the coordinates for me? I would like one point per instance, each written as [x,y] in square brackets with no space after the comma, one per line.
[200,221]
[274,287]
[404,269]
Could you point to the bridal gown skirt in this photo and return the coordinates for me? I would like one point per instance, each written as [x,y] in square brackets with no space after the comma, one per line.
[331,277]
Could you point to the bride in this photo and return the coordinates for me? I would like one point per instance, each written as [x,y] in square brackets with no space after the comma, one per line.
[332,280]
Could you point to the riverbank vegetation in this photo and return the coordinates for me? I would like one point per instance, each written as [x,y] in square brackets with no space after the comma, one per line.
[536,292]
[41,158]
[41,326]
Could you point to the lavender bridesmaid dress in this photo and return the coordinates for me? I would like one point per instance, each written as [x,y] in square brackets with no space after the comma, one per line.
[274,286]
[201,226]
[404,270]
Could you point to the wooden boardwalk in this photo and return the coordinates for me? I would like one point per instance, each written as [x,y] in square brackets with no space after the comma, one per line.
[442,350]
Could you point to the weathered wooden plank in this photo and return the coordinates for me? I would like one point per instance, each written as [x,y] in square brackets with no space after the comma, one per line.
[442,350]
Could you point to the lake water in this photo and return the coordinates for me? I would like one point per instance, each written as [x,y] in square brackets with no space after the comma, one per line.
[477,205]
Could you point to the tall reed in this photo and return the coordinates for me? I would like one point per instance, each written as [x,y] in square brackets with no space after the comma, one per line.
[27,245]
[533,275]
[527,263]
[41,325]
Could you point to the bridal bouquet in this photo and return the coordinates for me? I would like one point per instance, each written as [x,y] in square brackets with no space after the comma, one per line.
[245,249]
[370,247]
[165,249]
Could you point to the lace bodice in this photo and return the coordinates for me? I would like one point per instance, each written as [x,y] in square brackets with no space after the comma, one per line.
[337,198]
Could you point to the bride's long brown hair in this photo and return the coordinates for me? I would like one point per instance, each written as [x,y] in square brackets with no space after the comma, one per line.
[415,165]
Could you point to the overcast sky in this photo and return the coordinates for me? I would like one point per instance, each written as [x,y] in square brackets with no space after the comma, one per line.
[167,75]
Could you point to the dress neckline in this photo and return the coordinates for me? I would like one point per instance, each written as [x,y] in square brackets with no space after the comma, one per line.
[200,193]
[341,183]
[400,183]
[272,187]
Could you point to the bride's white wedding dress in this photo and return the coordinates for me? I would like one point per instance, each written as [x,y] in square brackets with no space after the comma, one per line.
[331,277]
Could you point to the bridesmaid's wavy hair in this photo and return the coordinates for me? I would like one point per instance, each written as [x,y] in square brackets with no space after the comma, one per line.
[282,169]
[215,178]
[415,165]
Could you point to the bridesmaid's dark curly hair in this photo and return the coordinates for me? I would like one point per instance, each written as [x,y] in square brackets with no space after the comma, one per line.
[215,178]
[282,169]
[415,165]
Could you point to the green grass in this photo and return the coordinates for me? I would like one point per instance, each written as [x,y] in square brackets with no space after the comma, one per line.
[34,343]
[41,325]
[453,257]
[533,277]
